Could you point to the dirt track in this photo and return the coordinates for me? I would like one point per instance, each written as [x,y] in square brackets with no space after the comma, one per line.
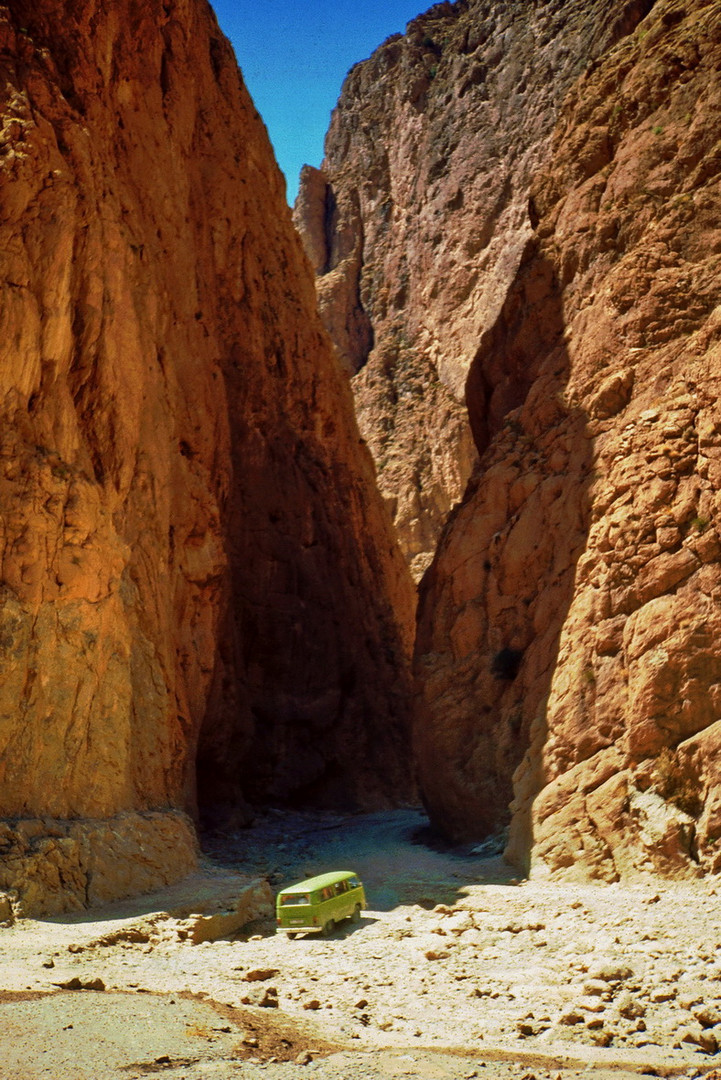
[456,970]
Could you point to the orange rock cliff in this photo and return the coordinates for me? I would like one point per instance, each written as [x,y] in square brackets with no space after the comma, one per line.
[555,291]
[202,597]
[568,644]
[417,220]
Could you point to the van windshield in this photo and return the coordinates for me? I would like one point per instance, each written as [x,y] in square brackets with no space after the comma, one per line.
[294,898]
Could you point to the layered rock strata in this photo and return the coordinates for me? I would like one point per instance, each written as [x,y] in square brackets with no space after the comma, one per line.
[570,626]
[417,220]
[197,573]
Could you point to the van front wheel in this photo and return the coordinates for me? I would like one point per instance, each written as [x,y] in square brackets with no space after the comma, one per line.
[355,917]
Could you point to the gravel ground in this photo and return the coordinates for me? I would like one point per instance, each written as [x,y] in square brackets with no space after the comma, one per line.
[456,970]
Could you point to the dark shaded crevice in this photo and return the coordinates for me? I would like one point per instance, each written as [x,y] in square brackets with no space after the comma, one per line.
[515,399]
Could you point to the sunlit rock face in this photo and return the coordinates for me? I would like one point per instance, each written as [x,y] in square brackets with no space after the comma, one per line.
[198,575]
[417,221]
[569,628]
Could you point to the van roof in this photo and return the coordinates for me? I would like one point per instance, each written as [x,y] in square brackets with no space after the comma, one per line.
[319,882]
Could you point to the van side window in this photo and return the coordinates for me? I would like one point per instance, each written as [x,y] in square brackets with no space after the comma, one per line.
[340,888]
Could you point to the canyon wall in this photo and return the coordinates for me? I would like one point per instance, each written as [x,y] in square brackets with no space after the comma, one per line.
[417,220]
[201,597]
[568,646]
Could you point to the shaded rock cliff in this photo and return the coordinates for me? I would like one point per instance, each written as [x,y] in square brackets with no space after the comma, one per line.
[569,628]
[417,220]
[201,596]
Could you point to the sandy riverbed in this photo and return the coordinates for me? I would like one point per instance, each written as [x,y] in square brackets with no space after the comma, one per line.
[456,970]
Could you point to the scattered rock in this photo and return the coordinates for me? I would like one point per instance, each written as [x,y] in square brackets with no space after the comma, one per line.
[260,974]
[629,1007]
[81,984]
[708,1016]
[610,972]
[571,1016]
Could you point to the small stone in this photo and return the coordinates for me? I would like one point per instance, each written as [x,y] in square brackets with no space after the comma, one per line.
[591,1004]
[312,1004]
[708,1042]
[595,987]
[663,993]
[571,1016]
[362,1004]
[437,954]
[691,1033]
[269,999]
[629,1007]
[610,972]
[260,974]
[304,1058]
[707,1016]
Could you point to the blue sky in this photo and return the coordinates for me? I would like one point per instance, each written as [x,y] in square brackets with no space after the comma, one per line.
[295,54]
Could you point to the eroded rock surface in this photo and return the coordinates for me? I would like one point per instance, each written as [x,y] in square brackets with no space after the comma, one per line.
[570,625]
[194,560]
[418,219]
[47,866]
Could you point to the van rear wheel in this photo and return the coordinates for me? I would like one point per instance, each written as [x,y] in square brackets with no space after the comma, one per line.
[290,935]
[328,928]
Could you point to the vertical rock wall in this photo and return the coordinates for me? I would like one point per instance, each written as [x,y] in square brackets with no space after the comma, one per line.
[194,559]
[418,219]
[569,627]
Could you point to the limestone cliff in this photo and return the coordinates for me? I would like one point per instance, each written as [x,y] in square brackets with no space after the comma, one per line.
[570,626]
[417,221]
[197,573]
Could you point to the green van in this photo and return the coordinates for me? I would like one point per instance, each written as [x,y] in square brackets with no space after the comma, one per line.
[316,905]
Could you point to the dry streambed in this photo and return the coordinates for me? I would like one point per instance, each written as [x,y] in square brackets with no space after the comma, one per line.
[454,971]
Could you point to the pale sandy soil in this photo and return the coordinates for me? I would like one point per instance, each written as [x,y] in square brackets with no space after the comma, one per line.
[456,970]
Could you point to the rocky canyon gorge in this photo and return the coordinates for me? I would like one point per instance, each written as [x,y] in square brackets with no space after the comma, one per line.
[515,235]
[507,266]
[202,599]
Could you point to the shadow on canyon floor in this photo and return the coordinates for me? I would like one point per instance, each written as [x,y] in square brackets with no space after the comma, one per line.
[382,847]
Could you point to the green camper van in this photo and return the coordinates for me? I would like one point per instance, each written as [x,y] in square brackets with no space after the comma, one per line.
[316,905]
